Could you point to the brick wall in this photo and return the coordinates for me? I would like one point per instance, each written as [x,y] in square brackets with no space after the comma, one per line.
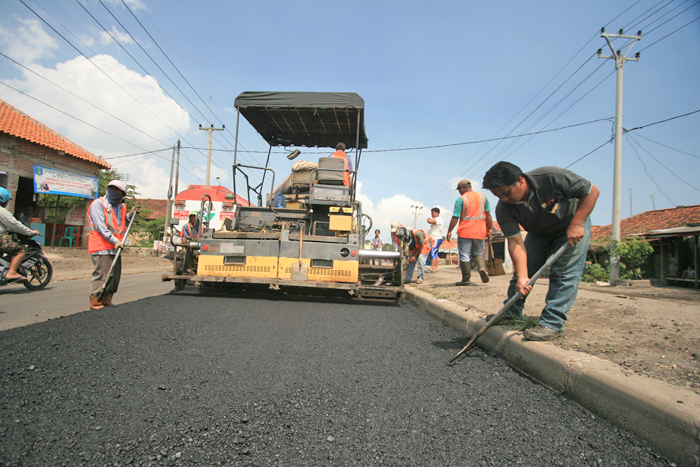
[17,157]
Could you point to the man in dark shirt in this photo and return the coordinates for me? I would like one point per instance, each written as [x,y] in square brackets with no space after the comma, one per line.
[553,205]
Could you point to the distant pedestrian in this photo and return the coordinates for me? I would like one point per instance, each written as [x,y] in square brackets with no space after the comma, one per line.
[553,205]
[377,244]
[435,232]
[472,213]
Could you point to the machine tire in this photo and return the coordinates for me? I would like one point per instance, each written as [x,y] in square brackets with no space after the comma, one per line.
[39,275]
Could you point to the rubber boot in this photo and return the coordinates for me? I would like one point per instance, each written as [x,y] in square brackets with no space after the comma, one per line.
[107,299]
[466,274]
[483,271]
[95,303]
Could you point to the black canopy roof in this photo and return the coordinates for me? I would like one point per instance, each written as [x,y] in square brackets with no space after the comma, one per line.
[321,119]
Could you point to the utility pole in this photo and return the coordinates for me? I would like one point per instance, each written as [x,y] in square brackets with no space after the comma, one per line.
[415,215]
[177,167]
[209,131]
[652,201]
[170,195]
[617,172]
[631,211]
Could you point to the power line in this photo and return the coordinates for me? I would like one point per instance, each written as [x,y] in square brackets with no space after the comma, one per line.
[650,177]
[77,96]
[667,146]
[489,140]
[631,138]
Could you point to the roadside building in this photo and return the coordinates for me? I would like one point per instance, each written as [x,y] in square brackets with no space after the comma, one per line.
[35,159]
[673,233]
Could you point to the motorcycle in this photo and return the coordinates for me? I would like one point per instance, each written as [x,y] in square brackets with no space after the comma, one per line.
[35,266]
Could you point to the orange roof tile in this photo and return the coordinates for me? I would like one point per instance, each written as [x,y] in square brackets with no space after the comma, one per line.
[20,125]
[157,207]
[645,222]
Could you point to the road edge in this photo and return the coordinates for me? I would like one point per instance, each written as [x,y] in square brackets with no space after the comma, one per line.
[666,418]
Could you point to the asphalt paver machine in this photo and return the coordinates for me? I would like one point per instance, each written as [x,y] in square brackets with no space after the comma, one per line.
[306,235]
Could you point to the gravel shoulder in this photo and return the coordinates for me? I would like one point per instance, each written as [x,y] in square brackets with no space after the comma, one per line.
[651,331]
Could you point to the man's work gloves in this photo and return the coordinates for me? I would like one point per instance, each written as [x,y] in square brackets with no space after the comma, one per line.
[134,209]
[119,244]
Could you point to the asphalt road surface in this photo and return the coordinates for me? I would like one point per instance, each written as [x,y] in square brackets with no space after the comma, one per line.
[195,380]
[20,306]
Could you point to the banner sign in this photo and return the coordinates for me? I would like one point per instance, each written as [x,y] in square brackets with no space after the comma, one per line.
[76,216]
[181,214]
[59,182]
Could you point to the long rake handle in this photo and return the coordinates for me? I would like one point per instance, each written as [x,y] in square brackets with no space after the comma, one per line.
[557,254]
[110,274]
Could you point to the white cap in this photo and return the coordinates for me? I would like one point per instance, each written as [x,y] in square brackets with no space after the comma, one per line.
[394,226]
[119,185]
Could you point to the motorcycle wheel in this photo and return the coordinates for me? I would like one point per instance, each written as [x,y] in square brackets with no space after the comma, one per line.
[39,275]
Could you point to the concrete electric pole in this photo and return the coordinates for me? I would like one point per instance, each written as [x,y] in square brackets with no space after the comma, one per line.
[209,131]
[415,215]
[617,172]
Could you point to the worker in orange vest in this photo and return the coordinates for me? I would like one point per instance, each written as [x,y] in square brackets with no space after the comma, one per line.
[108,220]
[340,154]
[473,213]
[416,244]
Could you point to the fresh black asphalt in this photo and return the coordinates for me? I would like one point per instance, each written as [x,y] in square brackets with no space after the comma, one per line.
[197,380]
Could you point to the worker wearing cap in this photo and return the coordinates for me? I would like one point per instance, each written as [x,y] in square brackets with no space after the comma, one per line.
[472,217]
[108,220]
[416,247]
[554,206]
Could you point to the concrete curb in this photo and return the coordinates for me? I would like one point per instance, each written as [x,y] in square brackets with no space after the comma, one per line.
[665,417]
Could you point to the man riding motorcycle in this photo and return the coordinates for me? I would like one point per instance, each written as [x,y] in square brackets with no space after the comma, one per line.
[8,225]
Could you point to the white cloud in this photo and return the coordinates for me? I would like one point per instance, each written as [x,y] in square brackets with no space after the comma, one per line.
[27,42]
[108,39]
[118,110]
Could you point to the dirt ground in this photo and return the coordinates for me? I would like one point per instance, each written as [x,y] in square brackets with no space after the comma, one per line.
[75,263]
[652,331]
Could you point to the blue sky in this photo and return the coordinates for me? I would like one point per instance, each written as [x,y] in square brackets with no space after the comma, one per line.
[431,74]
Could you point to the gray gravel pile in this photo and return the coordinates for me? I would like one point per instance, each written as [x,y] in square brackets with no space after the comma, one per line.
[187,380]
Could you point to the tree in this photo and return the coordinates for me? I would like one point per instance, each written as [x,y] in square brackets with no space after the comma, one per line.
[634,252]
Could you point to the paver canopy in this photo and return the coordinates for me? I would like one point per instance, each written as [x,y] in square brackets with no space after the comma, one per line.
[312,119]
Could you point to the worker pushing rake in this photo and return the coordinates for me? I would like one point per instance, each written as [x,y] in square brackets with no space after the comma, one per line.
[108,231]
[553,205]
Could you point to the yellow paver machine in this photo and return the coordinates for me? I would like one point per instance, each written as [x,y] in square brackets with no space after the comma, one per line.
[306,236]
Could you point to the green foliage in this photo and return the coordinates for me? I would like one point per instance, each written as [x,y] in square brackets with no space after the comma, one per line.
[594,272]
[633,255]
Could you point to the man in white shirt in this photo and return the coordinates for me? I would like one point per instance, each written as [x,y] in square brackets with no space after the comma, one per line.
[435,232]
[377,244]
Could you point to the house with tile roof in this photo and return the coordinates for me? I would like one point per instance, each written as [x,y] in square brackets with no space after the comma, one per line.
[672,232]
[26,142]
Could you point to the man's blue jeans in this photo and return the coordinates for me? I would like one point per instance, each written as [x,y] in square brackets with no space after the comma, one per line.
[420,261]
[469,248]
[564,276]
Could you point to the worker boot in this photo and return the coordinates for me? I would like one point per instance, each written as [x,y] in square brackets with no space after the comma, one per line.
[466,268]
[107,299]
[95,303]
[483,271]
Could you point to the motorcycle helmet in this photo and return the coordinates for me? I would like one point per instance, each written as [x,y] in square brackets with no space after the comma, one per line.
[5,196]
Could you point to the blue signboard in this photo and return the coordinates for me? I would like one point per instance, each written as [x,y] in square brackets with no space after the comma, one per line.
[59,182]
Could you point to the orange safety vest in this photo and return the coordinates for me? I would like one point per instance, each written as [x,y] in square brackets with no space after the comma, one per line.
[346,174]
[96,242]
[424,249]
[472,223]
